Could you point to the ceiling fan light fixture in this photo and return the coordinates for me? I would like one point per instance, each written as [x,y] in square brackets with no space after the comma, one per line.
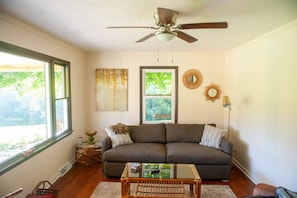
[165,36]
[165,19]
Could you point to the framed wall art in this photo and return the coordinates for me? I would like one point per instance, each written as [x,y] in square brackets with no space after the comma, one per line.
[111,89]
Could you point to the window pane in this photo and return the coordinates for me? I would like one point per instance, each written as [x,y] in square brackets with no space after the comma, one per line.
[61,99]
[158,94]
[158,83]
[59,81]
[61,115]
[23,121]
[158,109]
[35,109]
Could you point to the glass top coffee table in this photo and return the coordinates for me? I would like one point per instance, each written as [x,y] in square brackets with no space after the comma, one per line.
[161,179]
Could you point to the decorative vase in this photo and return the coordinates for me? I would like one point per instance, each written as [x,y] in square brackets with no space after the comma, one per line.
[91,138]
[79,140]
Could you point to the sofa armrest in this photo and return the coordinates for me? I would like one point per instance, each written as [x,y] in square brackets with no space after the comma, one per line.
[106,144]
[226,146]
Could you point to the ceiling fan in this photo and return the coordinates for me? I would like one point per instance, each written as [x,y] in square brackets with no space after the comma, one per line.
[166,19]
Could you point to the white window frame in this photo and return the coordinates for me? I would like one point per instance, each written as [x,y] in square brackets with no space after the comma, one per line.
[174,95]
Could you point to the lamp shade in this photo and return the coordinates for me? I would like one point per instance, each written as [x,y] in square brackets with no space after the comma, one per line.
[226,101]
[165,36]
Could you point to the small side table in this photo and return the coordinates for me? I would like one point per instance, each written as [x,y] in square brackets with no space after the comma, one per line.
[86,154]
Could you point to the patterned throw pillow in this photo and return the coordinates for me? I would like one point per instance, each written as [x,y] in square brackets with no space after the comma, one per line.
[118,139]
[119,128]
[212,136]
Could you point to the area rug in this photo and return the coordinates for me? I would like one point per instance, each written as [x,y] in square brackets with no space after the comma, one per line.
[113,190]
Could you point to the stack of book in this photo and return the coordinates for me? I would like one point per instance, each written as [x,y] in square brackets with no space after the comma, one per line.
[135,167]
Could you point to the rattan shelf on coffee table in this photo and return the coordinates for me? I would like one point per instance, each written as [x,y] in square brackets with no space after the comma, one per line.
[160,189]
[160,180]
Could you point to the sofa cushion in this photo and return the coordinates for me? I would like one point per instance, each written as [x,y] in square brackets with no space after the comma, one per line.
[212,136]
[194,153]
[137,152]
[154,133]
[118,139]
[184,132]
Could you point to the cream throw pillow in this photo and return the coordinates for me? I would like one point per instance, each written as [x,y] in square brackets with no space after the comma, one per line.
[118,139]
[212,136]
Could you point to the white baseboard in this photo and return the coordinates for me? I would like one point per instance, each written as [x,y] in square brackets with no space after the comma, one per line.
[73,161]
[58,174]
[55,178]
[65,168]
[247,173]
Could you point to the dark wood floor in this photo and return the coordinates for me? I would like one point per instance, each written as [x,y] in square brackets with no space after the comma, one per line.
[81,181]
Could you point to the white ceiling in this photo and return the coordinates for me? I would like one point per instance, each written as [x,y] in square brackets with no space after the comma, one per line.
[83,22]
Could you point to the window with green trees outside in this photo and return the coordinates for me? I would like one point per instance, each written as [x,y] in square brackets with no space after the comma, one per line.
[158,94]
[35,109]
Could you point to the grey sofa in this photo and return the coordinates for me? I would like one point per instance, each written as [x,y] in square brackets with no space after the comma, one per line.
[169,143]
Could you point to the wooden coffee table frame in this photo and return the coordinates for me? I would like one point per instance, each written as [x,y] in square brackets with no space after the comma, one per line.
[194,183]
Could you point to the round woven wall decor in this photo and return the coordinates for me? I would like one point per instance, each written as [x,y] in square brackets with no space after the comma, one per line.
[192,79]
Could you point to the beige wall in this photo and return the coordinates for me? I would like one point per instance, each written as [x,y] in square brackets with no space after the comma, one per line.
[259,77]
[45,165]
[192,104]
[193,108]
[261,80]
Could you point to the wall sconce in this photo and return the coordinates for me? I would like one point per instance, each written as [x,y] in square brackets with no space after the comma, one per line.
[227,104]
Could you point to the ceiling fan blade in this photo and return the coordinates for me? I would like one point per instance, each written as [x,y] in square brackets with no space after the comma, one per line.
[203,25]
[166,16]
[145,38]
[147,27]
[185,37]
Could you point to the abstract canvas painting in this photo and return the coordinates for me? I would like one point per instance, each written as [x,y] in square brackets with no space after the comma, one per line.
[111,89]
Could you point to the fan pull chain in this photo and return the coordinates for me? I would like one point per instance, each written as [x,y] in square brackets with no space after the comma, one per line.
[158,50]
[172,50]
